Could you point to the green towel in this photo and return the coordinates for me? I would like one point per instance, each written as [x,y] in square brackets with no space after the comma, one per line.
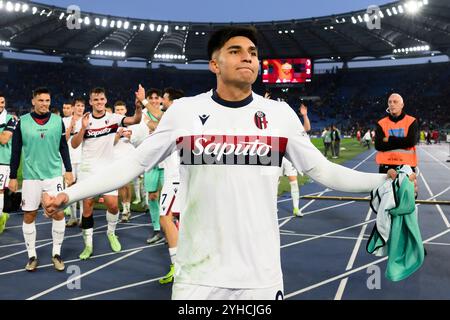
[405,246]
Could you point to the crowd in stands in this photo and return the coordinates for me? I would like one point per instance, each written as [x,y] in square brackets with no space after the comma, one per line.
[350,98]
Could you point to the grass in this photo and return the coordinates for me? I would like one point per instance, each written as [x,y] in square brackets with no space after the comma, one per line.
[352,149]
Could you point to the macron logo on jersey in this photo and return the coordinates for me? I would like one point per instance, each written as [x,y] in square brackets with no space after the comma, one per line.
[231,150]
[95,133]
[203,118]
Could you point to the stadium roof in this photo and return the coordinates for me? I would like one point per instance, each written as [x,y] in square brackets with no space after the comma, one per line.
[401,28]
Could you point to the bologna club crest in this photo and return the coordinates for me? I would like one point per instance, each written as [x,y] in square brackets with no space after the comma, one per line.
[260,120]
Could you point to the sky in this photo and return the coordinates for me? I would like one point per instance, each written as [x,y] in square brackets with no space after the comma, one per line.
[218,11]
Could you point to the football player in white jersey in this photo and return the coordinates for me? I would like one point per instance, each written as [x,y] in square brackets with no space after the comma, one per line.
[122,146]
[168,203]
[71,122]
[96,136]
[231,142]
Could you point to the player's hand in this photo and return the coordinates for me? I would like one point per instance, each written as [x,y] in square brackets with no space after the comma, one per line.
[303,110]
[13,185]
[68,179]
[53,204]
[412,177]
[267,95]
[85,120]
[126,134]
[140,94]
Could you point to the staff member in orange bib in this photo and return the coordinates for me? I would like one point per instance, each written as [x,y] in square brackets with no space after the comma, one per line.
[396,137]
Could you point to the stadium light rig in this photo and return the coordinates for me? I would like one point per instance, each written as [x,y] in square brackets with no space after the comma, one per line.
[5,43]
[109,53]
[408,7]
[412,49]
[165,56]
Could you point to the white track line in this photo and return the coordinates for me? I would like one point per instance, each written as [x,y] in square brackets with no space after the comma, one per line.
[131,285]
[438,207]
[346,274]
[51,242]
[128,226]
[329,237]
[351,261]
[436,159]
[78,260]
[82,275]
[326,190]
[326,234]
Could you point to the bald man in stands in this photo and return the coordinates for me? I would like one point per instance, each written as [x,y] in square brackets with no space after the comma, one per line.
[396,137]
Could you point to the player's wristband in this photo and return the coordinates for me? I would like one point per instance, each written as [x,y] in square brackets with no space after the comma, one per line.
[145,102]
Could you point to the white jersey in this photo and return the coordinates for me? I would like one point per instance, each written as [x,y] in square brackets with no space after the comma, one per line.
[98,142]
[230,157]
[75,153]
[140,131]
[171,168]
[288,169]
[122,148]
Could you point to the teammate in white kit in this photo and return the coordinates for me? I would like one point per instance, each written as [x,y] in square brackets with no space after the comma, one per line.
[169,203]
[71,123]
[231,142]
[123,145]
[96,135]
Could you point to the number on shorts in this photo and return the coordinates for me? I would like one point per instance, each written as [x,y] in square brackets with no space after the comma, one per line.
[1,178]
[59,187]
[164,196]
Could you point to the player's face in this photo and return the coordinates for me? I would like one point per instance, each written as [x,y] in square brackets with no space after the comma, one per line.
[236,63]
[154,100]
[41,103]
[166,100]
[122,110]
[2,104]
[67,110]
[98,101]
[395,104]
[78,109]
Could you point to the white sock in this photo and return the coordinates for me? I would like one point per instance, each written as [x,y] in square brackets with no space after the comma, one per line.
[137,188]
[124,207]
[2,201]
[58,228]
[112,221]
[81,208]
[146,198]
[173,254]
[88,235]
[73,212]
[295,194]
[29,234]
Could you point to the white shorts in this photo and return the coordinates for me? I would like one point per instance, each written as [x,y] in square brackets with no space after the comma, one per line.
[4,176]
[83,175]
[287,168]
[32,191]
[168,200]
[182,291]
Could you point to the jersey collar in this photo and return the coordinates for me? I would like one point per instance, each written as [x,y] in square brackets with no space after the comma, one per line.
[231,104]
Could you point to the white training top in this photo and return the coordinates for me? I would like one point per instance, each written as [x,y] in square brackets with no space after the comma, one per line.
[75,153]
[98,142]
[230,157]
